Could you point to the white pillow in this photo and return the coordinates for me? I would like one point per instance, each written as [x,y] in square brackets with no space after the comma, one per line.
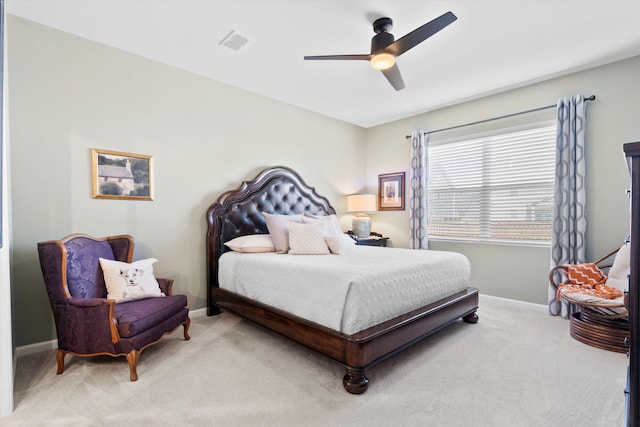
[278,226]
[331,221]
[617,277]
[252,243]
[128,282]
[340,244]
[307,239]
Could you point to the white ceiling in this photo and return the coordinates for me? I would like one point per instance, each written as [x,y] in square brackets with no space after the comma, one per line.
[493,46]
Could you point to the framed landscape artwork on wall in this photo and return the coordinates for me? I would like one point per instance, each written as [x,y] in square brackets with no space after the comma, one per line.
[391,192]
[118,175]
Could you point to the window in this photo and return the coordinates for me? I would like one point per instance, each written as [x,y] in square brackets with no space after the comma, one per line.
[496,187]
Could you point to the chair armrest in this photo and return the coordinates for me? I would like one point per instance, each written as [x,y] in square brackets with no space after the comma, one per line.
[166,285]
[99,313]
[557,269]
[86,302]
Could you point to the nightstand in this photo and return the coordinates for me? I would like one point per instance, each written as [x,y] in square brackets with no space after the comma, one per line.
[375,239]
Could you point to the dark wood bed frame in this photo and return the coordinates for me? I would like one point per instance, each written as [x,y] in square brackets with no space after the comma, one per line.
[281,190]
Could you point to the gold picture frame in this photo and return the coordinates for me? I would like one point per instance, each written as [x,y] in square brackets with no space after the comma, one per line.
[119,175]
[391,192]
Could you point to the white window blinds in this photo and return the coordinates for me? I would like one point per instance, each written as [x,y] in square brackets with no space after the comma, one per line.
[494,188]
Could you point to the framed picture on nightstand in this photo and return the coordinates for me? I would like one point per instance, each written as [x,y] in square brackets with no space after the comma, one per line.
[391,192]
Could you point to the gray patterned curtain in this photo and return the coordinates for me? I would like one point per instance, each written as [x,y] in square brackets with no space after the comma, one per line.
[569,216]
[418,232]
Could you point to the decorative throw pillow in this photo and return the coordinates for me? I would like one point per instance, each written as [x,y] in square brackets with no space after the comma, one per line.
[278,226]
[619,271]
[331,221]
[307,239]
[128,282]
[340,244]
[587,274]
[253,243]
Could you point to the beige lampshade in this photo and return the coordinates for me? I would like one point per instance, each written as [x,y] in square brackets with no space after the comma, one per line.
[361,203]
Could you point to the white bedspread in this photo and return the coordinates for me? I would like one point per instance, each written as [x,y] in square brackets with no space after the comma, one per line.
[347,293]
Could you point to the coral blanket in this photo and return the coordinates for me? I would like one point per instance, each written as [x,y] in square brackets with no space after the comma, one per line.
[586,279]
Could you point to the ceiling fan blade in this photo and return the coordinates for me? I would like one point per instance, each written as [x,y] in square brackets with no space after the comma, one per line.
[363,57]
[420,34]
[395,78]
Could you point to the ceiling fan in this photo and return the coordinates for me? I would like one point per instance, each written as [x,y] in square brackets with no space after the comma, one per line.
[384,50]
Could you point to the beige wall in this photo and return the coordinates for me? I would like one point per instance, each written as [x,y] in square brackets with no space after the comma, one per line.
[68,95]
[613,119]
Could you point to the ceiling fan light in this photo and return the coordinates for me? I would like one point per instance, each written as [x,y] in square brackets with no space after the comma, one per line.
[383,61]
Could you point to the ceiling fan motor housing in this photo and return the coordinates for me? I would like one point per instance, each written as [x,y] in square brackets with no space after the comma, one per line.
[380,41]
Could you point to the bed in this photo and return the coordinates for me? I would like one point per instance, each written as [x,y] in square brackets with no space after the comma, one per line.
[356,345]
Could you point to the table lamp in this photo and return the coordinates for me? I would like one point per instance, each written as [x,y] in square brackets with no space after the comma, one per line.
[361,205]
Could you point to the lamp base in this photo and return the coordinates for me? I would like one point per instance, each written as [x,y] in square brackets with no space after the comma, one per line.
[361,226]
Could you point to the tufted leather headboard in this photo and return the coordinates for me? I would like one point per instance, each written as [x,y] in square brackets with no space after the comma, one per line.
[278,190]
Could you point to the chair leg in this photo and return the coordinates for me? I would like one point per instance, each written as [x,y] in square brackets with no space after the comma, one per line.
[60,358]
[132,358]
[186,329]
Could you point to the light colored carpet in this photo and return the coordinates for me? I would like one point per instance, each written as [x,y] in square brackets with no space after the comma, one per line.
[516,367]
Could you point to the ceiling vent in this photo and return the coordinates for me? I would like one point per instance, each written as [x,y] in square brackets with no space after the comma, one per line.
[235,41]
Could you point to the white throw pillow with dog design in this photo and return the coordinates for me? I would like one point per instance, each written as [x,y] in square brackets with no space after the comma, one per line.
[128,282]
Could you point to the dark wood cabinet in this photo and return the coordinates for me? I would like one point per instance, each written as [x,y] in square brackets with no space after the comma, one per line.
[632,392]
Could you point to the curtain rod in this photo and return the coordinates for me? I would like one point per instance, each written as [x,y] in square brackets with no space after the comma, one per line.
[588,98]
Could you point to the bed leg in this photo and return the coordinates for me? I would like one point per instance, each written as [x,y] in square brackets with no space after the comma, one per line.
[213,310]
[470,318]
[355,381]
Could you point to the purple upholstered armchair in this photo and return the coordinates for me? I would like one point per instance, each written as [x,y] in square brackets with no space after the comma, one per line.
[89,324]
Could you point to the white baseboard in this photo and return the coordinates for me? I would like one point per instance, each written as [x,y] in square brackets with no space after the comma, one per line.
[530,304]
[201,312]
[39,347]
